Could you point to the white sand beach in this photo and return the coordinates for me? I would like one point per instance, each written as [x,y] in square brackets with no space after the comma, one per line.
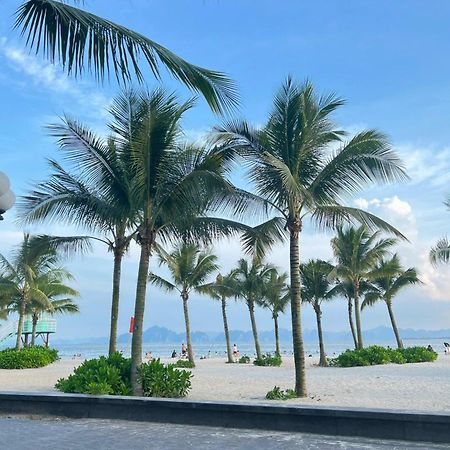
[423,386]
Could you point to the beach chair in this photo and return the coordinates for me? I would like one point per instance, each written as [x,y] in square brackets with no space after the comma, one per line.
[446,348]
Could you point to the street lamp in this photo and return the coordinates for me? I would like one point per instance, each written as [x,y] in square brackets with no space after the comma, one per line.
[7,197]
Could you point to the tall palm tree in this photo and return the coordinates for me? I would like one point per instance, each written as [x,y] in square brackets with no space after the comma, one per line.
[33,258]
[357,252]
[221,289]
[440,253]
[94,195]
[276,298]
[189,267]
[386,287]
[315,290]
[82,42]
[250,279]
[298,174]
[173,186]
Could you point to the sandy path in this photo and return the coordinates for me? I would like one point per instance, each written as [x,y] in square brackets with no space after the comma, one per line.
[424,386]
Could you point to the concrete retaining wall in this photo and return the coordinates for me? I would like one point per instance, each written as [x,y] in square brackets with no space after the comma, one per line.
[381,424]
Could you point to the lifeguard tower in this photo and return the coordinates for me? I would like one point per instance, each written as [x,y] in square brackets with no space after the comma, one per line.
[45,327]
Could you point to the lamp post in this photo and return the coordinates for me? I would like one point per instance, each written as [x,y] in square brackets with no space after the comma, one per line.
[7,197]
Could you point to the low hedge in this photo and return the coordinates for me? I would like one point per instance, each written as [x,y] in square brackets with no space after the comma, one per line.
[111,376]
[279,394]
[27,358]
[185,364]
[376,354]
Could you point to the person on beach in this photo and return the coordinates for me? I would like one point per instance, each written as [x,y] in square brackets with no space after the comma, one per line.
[174,354]
[235,353]
[183,350]
[430,348]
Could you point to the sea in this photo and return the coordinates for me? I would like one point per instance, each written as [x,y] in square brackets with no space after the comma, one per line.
[87,351]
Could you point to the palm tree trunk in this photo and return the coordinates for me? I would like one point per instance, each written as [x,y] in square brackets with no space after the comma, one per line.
[323,358]
[226,331]
[296,302]
[118,255]
[185,298]
[394,325]
[139,308]
[350,321]
[277,335]
[20,323]
[358,317]
[251,309]
[33,332]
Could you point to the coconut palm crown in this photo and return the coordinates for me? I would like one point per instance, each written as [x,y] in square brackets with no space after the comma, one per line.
[303,166]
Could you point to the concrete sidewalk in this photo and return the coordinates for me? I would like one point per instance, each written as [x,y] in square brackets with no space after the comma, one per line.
[23,433]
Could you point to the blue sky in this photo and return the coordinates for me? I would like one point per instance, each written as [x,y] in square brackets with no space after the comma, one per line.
[388,59]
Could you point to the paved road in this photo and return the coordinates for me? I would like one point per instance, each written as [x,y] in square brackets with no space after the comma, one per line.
[23,433]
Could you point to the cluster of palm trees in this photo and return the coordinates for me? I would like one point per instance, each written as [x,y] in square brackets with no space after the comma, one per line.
[33,282]
[144,184]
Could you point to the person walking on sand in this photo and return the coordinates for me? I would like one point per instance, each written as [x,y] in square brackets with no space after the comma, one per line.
[183,350]
[235,353]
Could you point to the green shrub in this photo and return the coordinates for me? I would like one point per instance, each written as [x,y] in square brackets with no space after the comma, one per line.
[418,354]
[27,358]
[268,360]
[111,376]
[379,355]
[244,359]
[185,363]
[101,376]
[159,380]
[278,394]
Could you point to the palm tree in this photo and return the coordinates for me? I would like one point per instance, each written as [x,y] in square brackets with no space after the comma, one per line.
[82,42]
[345,289]
[34,257]
[221,289]
[173,186]
[94,195]
[387,286]
[59,295]
[297,173]
[440,253]
[357,252]
[315,290]
[276,298]
[189,268]
[250,280]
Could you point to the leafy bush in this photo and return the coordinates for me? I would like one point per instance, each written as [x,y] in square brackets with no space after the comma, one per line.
[111,376]
[268,360]
[278,394]
[244,359]
[379,355]
[159,380]
[27,358]
[185,363]
[101,376]
[418,354]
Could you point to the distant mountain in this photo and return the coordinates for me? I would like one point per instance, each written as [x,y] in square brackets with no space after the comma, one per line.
[162,335]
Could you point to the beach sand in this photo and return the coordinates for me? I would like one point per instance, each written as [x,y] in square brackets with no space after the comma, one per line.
[423,386]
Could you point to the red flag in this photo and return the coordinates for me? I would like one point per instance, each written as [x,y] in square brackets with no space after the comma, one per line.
[131,324]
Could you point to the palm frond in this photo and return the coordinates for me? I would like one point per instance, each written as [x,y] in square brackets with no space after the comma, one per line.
[161,282]
[80,40]
[440,253]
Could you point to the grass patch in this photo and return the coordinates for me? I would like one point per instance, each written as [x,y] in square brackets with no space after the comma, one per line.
[279,394]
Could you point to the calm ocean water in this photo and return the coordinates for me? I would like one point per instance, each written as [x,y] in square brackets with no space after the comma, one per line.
[219,350]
